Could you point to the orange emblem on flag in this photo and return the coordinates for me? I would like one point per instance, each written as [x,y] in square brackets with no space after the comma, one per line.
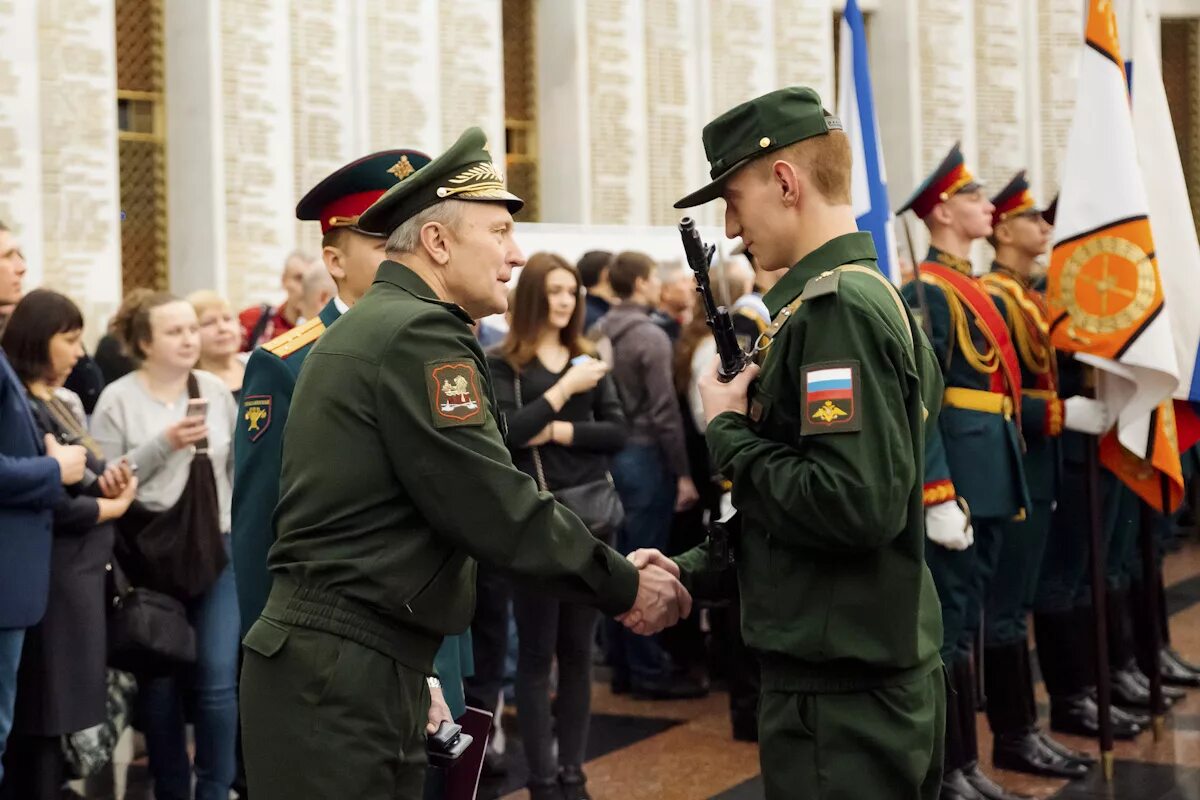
[1102,287]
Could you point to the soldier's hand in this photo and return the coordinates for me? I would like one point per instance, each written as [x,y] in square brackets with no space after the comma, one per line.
[438,710]
[1085,415]
[649,555]
[948,525]
[661,602]
[718,397]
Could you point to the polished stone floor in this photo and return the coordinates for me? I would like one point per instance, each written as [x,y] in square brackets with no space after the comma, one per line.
[683,750]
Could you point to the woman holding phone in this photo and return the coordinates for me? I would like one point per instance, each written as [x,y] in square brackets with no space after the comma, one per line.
[564,424]
[62,673]
[148,418]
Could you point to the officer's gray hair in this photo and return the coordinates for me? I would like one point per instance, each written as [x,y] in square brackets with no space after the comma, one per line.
[407,238]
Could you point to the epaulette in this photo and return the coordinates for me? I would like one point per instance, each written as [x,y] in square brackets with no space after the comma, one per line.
[287,343]
[823,284]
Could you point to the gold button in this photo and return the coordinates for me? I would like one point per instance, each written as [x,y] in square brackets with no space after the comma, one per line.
[764,141]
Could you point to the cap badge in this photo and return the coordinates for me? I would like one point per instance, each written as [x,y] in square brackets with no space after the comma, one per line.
[402,168]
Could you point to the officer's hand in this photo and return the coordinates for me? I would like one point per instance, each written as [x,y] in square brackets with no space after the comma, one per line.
[649,555]
[438,710]
[1085,415]
[661,602]
[948,525]
[720,397]
[71,458]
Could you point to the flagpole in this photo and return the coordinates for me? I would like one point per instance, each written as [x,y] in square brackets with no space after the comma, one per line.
[1099,607]
[1150,581]
[926,322]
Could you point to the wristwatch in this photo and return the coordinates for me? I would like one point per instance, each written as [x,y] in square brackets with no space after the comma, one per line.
[433,682]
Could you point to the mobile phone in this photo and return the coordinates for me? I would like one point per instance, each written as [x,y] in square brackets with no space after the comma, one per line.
[197,407]
[580,359]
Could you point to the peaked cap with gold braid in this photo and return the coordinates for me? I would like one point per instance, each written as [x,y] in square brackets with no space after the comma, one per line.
[1014,200]
[950,178]
[464,172]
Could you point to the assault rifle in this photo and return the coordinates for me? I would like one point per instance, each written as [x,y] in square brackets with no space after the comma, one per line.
[699,256]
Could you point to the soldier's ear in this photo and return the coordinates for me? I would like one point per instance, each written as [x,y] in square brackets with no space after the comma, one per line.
[787,180]
[334,260]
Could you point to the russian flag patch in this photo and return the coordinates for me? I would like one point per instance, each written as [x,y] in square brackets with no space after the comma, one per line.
[829,396]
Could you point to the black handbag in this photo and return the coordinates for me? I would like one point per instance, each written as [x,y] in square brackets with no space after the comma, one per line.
[148,631]
[596,503]
[178,551]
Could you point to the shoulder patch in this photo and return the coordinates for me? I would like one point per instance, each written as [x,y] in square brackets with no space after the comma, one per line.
[285,344]
[829,398]
[453,390]
[256,414]
[823,284]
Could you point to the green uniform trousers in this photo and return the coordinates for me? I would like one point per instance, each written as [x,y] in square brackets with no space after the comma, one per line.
[882,744]
[1010,596]
[325,717]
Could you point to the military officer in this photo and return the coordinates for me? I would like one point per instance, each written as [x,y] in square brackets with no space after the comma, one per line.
[824,447]
[1020,235]
[352,256]
[395,479]
[974,452]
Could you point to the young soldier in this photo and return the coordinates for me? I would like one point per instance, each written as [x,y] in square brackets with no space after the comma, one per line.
[824,447]
[1020,235]
[975,451]
[395,479]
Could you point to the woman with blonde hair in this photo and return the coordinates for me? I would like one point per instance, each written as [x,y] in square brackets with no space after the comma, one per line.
[564,423]
[220,342]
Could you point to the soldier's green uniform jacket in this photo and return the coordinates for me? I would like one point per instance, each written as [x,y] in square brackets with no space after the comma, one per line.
[396,477]
[827,479]
[267,389]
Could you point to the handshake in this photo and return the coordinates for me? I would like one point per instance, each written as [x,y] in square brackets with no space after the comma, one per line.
[661,599]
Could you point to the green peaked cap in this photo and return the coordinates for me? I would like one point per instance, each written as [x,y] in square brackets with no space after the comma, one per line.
[464,172]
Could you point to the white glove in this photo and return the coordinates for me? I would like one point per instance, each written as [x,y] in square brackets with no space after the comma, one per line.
[1085,415]
[947,525]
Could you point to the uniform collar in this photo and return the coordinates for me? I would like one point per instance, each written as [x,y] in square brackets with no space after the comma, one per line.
[953,262]
[332,310]
[845,249]
[1003,270]
[399,275]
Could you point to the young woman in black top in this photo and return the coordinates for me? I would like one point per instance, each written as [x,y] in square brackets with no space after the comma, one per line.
[568,411]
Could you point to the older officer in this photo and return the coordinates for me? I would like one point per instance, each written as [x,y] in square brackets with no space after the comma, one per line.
[826,464]
[395,479]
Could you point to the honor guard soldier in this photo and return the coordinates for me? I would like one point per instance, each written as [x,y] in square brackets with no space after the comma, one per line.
[395,479]
[824,448]
[974,453]
[1020,235]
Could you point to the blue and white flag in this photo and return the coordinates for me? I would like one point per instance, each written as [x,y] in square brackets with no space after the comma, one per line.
[856,107]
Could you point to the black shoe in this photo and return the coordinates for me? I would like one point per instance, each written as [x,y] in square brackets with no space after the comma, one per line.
[1126,715]
[574,784]
[956,787]
[683,689]
[1176,671]
[545,791]
[1128,691]
[1025,752]
[986,786]
[1066,752]
[1170,693]
[1079,716]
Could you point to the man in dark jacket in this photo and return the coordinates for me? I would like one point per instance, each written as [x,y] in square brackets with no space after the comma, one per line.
[651,473]
[32,474]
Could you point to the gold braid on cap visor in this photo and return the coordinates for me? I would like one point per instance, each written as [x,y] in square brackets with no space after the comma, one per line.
[478,181]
